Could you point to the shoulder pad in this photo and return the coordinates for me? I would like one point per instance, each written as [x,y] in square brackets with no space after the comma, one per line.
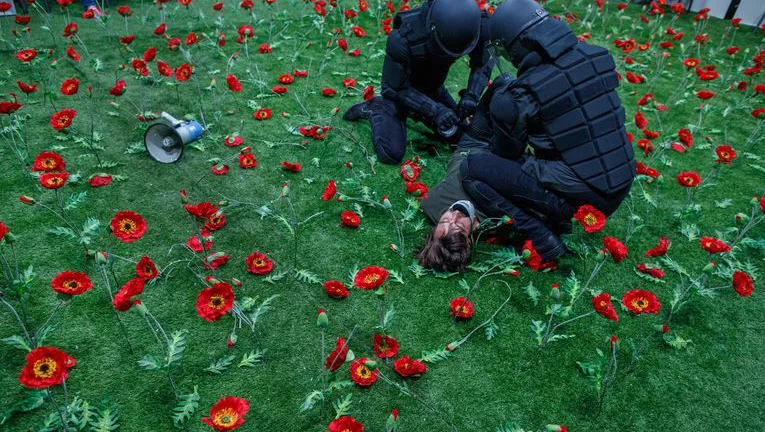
[402,18]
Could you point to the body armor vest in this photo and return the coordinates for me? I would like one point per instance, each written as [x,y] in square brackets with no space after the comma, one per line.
[581,117]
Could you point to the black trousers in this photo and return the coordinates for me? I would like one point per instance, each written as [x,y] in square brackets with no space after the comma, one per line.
[388,122]
[501,187]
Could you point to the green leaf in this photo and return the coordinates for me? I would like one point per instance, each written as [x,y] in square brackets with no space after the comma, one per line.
[538,330]
[417,269]
[186,407]
[491,330]
[17,341]
[149,362]
[252,358]
[311,400]
[342,406]
[32,400]
[275,276]
[105,418]
[435,356]
[532,292]
[690,231]
[396,276]
[64,232]
[572,286]
[388,318]
[74,200]
[510,427]
[306,276]
[91,226]
[219,366]
[176,347]
[257,314]
[675,341]
[724,203]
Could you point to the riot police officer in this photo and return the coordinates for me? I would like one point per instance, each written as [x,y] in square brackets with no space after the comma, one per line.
[564,108]
[421,48]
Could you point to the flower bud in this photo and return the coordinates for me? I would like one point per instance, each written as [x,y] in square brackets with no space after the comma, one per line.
[222,203]
[386,202]
[140,308]
[393,247]
[555,292]
[371,364]
[555,428]
[709,268]
[322,320]
[602,255]
[613,341]
[210,279]
[27,200]
[507,220]
[236,282]
[231,340]
[102,258]
[184,196]
[453,346]
[10,238]
[741,217]
[285,190]
[526,254]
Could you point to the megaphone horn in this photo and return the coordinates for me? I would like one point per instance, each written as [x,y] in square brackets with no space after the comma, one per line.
[164,142]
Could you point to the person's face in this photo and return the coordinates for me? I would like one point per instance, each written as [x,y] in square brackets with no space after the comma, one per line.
[453,221]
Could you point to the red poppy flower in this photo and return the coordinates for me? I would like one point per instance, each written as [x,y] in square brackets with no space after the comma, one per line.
[384,346]
[705,94]
[743,283]
[355,53]
[615,248]
[640,121]
[336,289]
[328,92]
[72,53]
[279,89]
[349,83]
[45,367]
[195,242]
[53,180]
[70,29]
[22,19]
[262,114]
[202,210]
[688,179]
[591,219]
[759,113]
[124,11]
[602,305]
[219,169]
[217,6]
[3,230]
[191,39]
[233,141]
[128,226]
[164,69]
[358,31]
[635,79]
[227,414]
[247,4]
[264,48]
[291,167]
[215,260]
[409,171]
[329,191]
[713,245]
[685,136]
[361,374]
[650,270]
[160,29]
[725,154]
[71,283]
[369,93]
[300,73]
[26,55]
[349,219]
[640,301]
[659,250]
[336,358]
[534,261]
[146,269]
[149,54]
[370,277]
[651,134]
[216,301]
[99,180]
[247,160]
[26,88]
[407,367]
[258,263]
[345,424]
[49,161]
[461,307]
[183,72]
[8,107]
[118,89]
[343,44]
[215,221]
[286,79]
[123,300]
[233,83]
[417,189]
[62,119]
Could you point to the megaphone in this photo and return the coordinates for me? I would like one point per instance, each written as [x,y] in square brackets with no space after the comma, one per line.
[164,142]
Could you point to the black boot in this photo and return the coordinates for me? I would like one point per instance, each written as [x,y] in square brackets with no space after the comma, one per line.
[357,112]
[548,245]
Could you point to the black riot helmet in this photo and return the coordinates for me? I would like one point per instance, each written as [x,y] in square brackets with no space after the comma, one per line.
[520,26]
[454,25]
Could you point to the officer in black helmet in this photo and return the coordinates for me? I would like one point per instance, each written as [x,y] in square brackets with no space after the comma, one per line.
[540,145]
[421,49]
[556,131]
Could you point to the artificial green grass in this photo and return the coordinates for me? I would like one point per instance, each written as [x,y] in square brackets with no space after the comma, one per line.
[715,385]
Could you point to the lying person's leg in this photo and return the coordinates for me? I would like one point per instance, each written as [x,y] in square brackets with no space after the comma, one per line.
[388,127]
[501,188]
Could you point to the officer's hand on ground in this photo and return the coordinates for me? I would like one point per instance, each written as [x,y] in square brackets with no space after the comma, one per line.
[445,120]
[467,106]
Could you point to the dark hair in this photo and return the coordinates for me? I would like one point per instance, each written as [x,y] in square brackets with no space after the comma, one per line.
[450,253]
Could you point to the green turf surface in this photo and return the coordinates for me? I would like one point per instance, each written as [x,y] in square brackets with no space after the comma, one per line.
[716,384]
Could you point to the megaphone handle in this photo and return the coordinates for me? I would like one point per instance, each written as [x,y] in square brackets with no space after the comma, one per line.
[171,119]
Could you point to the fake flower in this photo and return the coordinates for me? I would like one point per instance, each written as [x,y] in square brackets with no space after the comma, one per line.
[336,289]
[384,346]
[146,269]
[45,367]
[123,299]
[660,249]
[227,414]
[602,305]
[591,219]
[215,301]
[615,248]
[713,245]
[71,283]
[259,264]
[461,307]
[640,301]
[370,277]
[62,119]
[743,283]
[349,219]
[336,358]
[53,180]
[361,374]
[345,424]
[128,226]
[407,367]
[48,161]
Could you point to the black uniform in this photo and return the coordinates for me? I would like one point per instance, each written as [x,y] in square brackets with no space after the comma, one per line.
[414,72]
[563,105]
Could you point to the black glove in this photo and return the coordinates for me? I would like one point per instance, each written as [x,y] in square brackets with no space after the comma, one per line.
[446,122]
[467,106]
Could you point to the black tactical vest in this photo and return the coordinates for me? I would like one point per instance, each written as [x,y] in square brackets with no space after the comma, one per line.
[581,116]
